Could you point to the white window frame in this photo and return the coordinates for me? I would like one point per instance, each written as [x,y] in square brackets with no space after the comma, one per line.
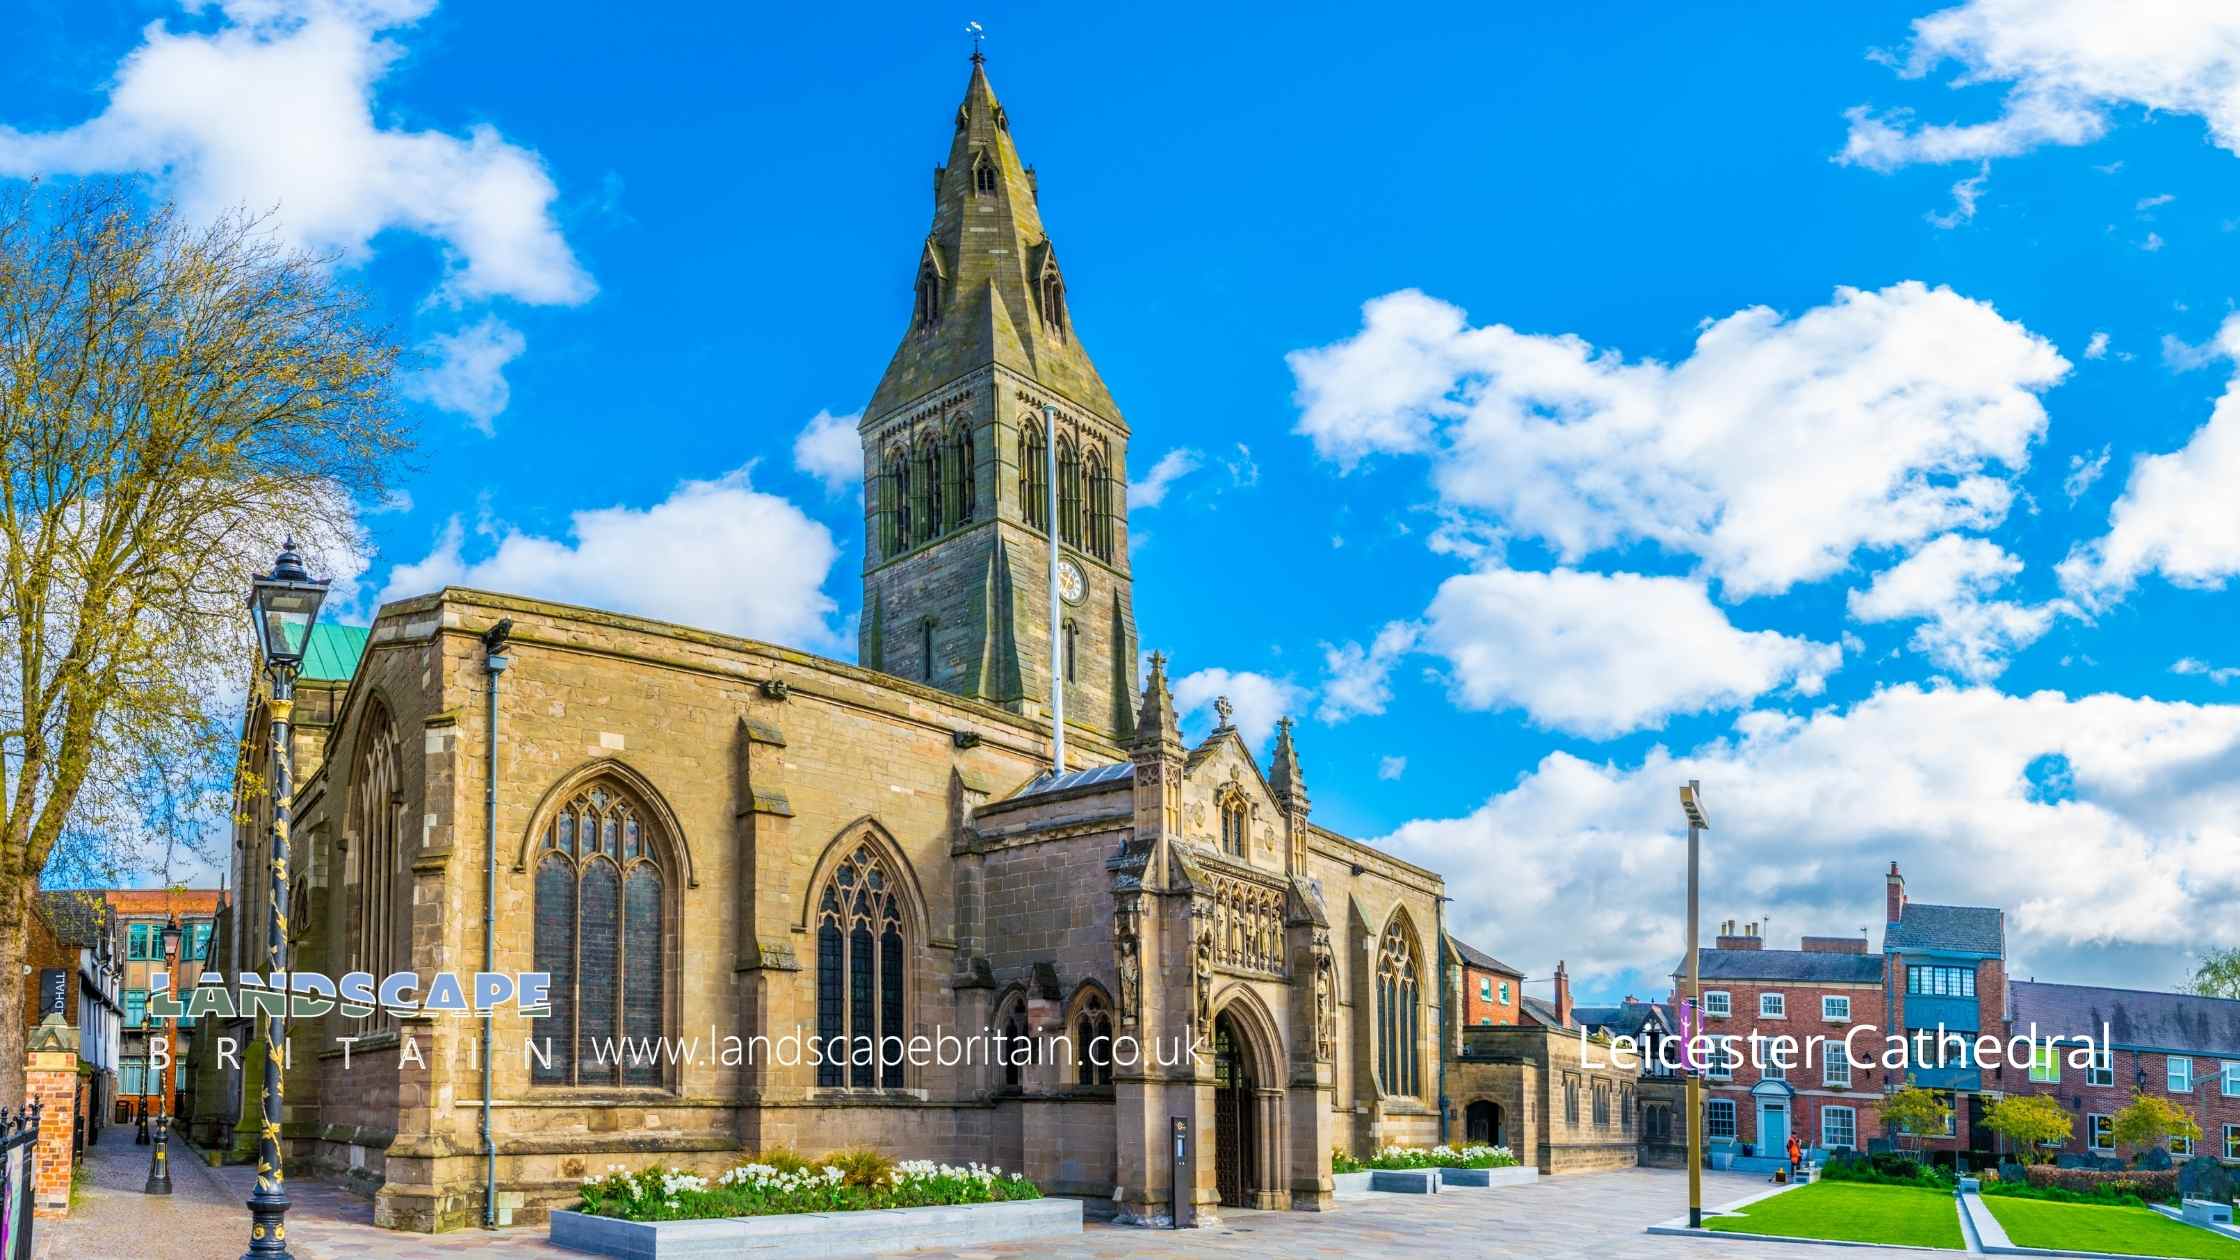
[2230,1071]
[1773,1006]
[2094,1138]
[2177,1068]
[2045,1064]
[2181,1145]
[1504,993]
[2103,1069]
[1717,1004]
[2232,1141]
[1734,1119]
[1773,1071]
[1835,1008]
[1835,1066]
[1828,1139]
[1485,989]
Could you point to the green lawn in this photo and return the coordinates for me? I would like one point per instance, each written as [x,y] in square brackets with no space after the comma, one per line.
[1851,1212]
[2089,1227]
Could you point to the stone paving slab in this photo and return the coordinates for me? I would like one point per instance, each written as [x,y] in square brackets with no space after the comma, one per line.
[1603,1215]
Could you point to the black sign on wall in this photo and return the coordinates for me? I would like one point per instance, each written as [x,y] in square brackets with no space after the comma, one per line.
[54,992]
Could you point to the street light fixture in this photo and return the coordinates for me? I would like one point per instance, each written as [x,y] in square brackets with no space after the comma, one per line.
[283,607]
[159,1159]
[1691,805]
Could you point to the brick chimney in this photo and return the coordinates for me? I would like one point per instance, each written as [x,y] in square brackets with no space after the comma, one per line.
[1747,938]
[1563,995]
[1895,897]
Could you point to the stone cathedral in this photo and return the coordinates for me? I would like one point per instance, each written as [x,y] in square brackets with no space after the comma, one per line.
[702,838]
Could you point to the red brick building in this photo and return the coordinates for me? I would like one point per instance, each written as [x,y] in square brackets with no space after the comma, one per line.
[1799,1005]
[2175,1046]
[1492,990]
[1947,977]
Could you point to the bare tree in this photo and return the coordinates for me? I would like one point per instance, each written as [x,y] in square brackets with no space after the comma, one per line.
[173,397]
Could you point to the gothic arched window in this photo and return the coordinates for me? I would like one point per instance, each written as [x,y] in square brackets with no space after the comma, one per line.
[1069,493]
[860,964]
[377,795]
[1092,1041]
[1398,1028]
[1053,295]
[983,175]
[956,477]
[1236,817]
[598,933]
[1034,490]
[928,311]
[1100,508]
[899,488]
[925,488]
[1012,1036]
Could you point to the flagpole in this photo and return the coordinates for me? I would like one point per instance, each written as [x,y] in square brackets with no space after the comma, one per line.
[1057,640]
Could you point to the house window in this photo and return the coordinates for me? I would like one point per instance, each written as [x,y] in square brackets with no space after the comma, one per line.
[2180,1145]
[2179,1070]
[198,941]
[1485,989]
[598,934]
[1835,1069]
[1929,981]
[1504,993]
[133,1077]
[1839,1128]
[2103,1069]
[1717,1004]
[2100,1132]
[860,962]
[1093,1041]
[1773,1071]
[2231,1078]
[1773,1006]
[2045,1065]
[2232,1141]
[140,943]
[1718,1118]
[1836,1009]
[1718,1064]
[1398,1022]
[135,1007]
[1034,489]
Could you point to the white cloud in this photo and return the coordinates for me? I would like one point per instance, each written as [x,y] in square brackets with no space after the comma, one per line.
[1603,654]
[2153,243]
[2097,348]
[275,110]
[1964,197]
[1172,467]
[1587,861]
[1948,585]
[1391,767]
[2067,65]
[829,449]
[2084,472]
[1243,470]
[468,371]
[2148,203]
[2220,675]
[1360,677]
[2178,514]
[1259,699]
[677,560]
[1773,452]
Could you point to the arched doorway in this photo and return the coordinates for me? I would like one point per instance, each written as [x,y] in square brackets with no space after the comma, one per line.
[1481,1123]
[1236,1150]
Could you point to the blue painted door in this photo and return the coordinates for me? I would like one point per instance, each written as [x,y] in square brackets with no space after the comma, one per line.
[1773,1129]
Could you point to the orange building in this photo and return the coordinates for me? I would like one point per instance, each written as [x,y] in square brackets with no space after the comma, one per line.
[140,915]
[1492,990]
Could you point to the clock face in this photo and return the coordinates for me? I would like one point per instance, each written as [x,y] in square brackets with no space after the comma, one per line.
[1072,585]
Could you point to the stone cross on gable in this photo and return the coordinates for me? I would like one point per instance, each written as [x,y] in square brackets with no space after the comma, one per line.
[1222,709]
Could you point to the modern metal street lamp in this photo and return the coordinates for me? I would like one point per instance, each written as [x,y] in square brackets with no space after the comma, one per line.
[1691,804]
[283,606]
[159,1160]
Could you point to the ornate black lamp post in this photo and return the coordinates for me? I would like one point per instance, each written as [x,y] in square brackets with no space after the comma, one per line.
[283,607]
[159,1160]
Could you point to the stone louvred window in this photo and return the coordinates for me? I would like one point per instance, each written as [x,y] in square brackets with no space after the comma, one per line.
[1069,493]
[861,959]
[1034,488]
[895,490]
[1398,1024]
[1100,508]
[983,175]
[598,934]
[925,492]
[956,478]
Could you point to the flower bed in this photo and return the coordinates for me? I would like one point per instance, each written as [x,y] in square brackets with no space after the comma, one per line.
[2096,1186]
[781,1183]
[1442,1156]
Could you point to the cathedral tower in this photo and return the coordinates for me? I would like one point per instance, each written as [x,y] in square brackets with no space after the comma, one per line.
[955,585]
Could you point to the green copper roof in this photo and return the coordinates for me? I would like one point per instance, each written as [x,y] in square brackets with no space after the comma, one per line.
[332,655]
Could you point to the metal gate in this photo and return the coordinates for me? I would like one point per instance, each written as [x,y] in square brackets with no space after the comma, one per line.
[19,1144]
[1233,1151]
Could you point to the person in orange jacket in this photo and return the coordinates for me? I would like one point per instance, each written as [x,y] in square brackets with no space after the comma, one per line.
[1796,1157]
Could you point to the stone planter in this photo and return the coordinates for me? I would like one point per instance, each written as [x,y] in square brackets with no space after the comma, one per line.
[1486,1178]
[1351,1185]
[817,1235]
[1405,1180]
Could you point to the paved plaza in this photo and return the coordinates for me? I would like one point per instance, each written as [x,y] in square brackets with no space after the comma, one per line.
[1599,1214]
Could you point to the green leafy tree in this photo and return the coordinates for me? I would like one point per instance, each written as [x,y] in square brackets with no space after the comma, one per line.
[174,397]
[2150,1122]
[2026,1121]
[2218,975]
[1917,1111]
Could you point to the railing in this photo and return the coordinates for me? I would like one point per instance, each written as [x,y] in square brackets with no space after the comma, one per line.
[19,1181]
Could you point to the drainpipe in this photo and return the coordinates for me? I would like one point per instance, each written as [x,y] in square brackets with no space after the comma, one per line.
[1439,912]
[493,664]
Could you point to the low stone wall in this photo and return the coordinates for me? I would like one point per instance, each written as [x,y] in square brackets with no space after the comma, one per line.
[818,1235]
[1486,1178]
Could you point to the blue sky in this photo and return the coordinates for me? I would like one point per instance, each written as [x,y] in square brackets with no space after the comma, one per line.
[1921,554]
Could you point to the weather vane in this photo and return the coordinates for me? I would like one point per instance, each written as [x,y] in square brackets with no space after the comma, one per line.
[978,33]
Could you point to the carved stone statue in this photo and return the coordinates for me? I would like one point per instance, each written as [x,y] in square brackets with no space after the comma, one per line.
[1204,977]
[1325,1004]
[1128,948]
